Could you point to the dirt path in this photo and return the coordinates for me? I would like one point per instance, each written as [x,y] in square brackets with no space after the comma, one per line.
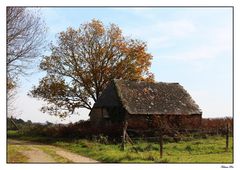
[73,157]
[37,156]
[40,153]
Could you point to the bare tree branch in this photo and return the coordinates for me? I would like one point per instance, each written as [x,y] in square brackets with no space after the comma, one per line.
[25,42]
[25,39]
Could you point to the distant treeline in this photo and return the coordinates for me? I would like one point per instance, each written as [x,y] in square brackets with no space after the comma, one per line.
[18,124]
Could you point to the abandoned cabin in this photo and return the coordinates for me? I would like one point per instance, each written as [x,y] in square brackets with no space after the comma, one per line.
[141,104]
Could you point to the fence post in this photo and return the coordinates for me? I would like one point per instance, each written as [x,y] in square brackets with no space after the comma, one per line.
[124,134]
[227,138]
[161,142]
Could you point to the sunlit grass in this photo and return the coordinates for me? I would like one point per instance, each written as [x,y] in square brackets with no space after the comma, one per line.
[14,154]
[199,150]
[209,150]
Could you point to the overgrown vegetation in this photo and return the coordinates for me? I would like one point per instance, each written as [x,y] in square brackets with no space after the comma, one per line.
[83,129]
[210,150]
[199,150]
[83,140]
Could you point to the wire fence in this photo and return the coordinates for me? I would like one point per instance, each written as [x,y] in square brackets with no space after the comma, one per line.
[172,134]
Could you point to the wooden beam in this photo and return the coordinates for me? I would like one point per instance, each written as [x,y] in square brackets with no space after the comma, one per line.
[125,124]
[227,138]
[14,124]
[161,142]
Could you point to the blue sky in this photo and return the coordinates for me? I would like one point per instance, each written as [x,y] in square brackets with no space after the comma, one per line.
[192,46]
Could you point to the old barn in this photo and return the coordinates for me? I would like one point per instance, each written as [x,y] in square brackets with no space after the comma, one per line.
[139,103]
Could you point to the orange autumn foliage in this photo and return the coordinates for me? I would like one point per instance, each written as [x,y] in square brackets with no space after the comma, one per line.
[84,61]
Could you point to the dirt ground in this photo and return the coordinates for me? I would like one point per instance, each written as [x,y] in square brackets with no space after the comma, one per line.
[36,153]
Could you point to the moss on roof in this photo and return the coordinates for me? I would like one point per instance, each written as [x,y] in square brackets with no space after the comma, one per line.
[139,97]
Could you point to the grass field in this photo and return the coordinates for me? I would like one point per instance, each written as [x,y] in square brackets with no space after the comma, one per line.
[209,150]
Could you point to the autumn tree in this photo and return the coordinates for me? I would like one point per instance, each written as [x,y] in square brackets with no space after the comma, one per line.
[84,61]
[24,41]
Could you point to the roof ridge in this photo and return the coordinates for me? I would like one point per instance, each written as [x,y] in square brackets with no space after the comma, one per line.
[115,80]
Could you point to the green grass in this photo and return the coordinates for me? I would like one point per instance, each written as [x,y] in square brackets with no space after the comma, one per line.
[14,154]
[209,150]
[52,152]
[13,133]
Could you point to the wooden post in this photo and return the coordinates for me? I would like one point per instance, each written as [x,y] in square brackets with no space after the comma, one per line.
[130,141]
[161,143]
[124,134]
[227,138]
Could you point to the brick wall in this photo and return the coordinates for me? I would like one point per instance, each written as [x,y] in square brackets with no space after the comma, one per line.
[100,117]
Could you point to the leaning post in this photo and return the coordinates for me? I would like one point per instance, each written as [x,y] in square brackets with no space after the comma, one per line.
[124,134]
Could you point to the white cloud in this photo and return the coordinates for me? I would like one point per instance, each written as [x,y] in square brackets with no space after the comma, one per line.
[212,44]
[197,53]
[182,38]
[177,28]
[162,34]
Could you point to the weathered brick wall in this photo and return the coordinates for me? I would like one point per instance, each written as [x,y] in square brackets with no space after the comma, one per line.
[192,121]
[100,117]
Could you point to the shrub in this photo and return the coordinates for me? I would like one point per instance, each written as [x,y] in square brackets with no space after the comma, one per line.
[150,157]
[137,148]
[103,139]
[151,147]
[164,160]
[188,148]
[217,125]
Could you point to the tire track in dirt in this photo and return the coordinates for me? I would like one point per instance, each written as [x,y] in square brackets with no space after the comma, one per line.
[74,157]
[36,155]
